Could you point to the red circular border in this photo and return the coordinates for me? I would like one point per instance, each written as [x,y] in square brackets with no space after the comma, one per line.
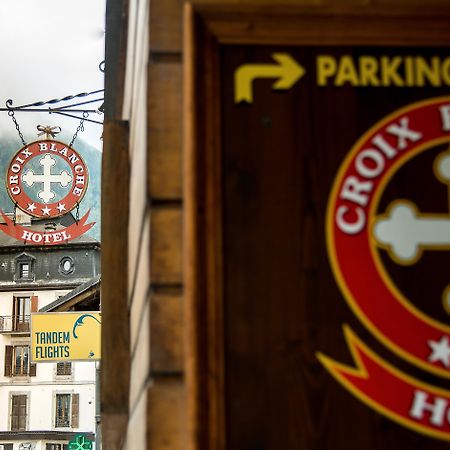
[22,200]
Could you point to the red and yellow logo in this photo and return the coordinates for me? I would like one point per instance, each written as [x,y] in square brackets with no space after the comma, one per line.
[359,228]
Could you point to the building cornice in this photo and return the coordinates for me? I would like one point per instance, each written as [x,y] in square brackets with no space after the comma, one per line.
[44,435]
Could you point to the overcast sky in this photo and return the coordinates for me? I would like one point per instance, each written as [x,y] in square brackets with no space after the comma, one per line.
[50,49]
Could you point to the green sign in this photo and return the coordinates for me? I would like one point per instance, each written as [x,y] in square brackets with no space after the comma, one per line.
[80,443]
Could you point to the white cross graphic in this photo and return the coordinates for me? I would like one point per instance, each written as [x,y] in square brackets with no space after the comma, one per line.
[406,232]
[47,178]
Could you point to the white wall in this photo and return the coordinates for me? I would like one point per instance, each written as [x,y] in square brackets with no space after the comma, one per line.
[44,298]
[42,388]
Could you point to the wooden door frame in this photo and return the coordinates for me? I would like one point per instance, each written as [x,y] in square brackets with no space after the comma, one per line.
[206,27]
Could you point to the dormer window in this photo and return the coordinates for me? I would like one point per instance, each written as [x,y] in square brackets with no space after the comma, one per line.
[24,267]
[24,270]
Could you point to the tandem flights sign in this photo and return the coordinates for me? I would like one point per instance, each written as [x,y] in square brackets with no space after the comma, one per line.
[65,336]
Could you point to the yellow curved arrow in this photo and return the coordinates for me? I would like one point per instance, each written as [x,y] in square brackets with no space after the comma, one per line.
[288,72]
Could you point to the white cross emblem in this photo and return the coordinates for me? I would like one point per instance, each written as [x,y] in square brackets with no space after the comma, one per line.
[47,178]
[406,232]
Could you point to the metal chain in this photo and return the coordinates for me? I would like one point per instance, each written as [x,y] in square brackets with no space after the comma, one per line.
[79,128]
[77,214]
[11,114]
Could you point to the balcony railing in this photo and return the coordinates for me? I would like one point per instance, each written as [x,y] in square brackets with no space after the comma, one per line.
[14,324]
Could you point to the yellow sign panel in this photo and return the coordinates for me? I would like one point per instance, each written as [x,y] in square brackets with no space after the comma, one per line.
[358,71]
[66,336]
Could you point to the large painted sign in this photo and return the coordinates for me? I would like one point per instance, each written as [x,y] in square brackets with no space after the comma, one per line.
[356,229]
[66,336]
[47,179]
[336,187]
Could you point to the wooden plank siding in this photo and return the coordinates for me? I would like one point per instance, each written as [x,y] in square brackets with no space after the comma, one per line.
[166,327]
[164,128]
[166,394]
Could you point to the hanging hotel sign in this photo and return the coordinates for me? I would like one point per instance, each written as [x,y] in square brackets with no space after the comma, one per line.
[66,336]
[47,179]
[356,231]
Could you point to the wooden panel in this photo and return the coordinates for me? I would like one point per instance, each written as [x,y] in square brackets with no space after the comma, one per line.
[114,428]
[166,332]
[75,411]
[280,300]
[115,54]
[8,360]
[34,303]
[351,25]
[407,3]
[165,414]
[115,330]
[203,244]
[282,304]
[262,2]
[164,140]
[165,244]
[165,25]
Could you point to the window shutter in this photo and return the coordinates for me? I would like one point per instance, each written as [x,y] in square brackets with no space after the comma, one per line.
[18,413]
[34,303]
[75,410]
[32,369]
[64,368]
[22,412]
[8,360]
[15,306]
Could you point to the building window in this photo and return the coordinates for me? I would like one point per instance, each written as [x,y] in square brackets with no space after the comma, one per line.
[24,270]
[21,313]
[66,411]
[24,267]
[52,446]
[64,368]
[66,265]
[18,412]
[8,446]
[62,410]
[21,360]
[17,361]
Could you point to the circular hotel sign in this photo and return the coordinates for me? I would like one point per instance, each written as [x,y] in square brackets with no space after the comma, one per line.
[356,230]
[367,231]
[47,179]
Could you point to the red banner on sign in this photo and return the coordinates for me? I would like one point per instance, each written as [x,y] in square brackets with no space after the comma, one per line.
[404,399]
[30,236]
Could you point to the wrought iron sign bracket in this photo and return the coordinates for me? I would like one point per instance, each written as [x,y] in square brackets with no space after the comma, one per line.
[70,110]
